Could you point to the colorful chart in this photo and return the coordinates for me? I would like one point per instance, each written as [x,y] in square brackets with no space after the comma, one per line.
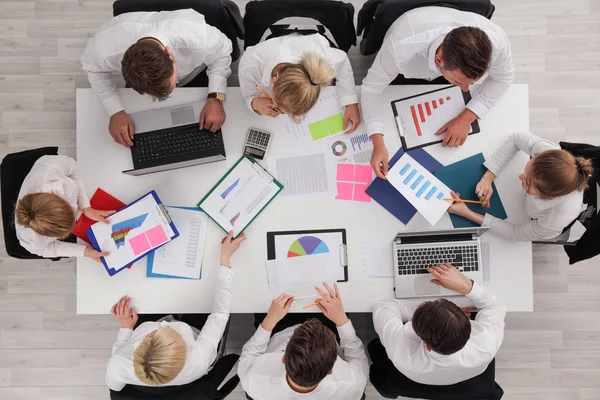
[234,219]
[339,148]
[428,110]
[307,245]
[121,229]
[230,188]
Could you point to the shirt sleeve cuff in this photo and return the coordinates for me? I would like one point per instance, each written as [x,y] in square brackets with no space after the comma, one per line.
[493,168]
[217,84]
[80,250]
[226,273]
[249,104]
[124,334]
[476,292]
[262,336]
[478,108]
[488,220]
[113,105]
[375,126]
[346,331]
[348,99]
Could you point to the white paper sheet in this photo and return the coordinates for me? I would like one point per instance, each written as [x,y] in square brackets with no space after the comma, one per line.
[354,148]
[235,202]
[423,190]
[376,261]
[302,174]
[298,276]
[182,257]
[419,118]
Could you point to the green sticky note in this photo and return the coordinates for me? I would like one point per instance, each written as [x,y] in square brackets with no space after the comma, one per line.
[318,129]
[335,123]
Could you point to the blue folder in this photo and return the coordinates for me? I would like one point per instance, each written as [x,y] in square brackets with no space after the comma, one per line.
[462,177]
[96,246]
[389,198]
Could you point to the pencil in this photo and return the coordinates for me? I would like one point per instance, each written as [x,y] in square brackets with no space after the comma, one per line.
[263,92]
[464,201]
[310,305]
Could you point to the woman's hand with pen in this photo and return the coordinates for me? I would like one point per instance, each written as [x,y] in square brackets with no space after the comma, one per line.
[264,106]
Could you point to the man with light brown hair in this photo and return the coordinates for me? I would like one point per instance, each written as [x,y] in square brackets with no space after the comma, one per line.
[155,52]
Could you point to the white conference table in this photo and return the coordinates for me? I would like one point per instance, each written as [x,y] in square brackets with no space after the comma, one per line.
[101,162]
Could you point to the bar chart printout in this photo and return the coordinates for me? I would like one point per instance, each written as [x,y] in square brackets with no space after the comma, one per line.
[420,117]
[423,190]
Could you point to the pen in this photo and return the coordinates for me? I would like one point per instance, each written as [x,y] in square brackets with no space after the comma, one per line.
[310,305]
[464,201]
[264,93]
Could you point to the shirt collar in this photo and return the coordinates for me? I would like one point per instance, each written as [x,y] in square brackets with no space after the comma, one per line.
[431,54]
[542,204]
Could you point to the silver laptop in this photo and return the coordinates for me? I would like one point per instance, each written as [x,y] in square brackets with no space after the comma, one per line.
[415,251]
[169,138]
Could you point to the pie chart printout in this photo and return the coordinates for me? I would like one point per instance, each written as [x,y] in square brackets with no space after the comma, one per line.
[306,246]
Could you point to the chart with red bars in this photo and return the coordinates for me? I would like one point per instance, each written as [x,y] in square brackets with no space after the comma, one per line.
[425,108]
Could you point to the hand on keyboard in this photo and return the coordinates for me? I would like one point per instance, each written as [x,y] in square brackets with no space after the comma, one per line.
[450,278]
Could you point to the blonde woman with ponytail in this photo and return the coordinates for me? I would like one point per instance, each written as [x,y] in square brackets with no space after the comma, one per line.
[291,71]
[51,196]
[554,181]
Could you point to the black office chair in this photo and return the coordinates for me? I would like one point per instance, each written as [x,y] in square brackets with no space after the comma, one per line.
[587,245]
[336,17]
[376,17]
[222,14]
[13,170]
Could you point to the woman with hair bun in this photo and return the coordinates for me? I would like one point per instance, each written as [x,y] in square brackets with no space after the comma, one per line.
[553,179]
[49,200]
[294,69]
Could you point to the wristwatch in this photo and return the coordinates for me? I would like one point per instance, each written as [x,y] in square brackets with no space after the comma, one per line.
[218,96]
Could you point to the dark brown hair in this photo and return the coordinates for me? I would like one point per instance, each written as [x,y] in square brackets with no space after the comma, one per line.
[310,353]
[147,68]
[557,173]
[467,49]
[442,325]
[47,214]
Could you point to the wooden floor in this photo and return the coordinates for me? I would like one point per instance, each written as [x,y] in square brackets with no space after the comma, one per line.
[48,352]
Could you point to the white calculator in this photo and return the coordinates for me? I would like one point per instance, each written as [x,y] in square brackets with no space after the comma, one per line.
[257,143]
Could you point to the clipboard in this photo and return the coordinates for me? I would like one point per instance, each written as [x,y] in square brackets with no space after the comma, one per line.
[164,214]
[343,250]
[466,97]
[261,171]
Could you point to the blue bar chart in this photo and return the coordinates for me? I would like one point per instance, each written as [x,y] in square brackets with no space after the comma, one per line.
[416,183]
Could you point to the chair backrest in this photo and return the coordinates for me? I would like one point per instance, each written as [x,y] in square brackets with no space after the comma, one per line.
[222,14]
[376,16]
[336,16]
[205,388]
[13,170]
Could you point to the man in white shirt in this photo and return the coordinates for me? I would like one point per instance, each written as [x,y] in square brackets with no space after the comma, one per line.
[439,344]
[170,353]
[427,42]
[304,361]
[157,51]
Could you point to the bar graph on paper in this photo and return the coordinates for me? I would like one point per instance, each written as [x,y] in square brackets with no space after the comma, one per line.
[423,190]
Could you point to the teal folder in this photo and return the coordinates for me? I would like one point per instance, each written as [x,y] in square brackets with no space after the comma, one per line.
[462,177]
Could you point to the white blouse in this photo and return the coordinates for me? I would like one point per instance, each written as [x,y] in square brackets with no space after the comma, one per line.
[58,175]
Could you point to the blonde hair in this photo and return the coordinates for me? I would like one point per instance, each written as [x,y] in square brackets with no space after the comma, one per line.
[299,85]
[557,173]
[47,214]
[160,357]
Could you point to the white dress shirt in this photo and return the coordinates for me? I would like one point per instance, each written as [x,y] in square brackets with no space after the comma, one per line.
[257,63]
[409,355]
[201,351]
[409,49]
[549,217]
[192,43]
[263,375]
[58,175]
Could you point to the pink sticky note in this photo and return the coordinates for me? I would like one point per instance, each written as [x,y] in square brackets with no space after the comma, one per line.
[364,173]
[139,244]
[344,191]
[156,236]
[359,193]
[345,172]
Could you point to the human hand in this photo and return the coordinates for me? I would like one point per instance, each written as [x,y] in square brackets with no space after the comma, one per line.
[121,128]
[229,245]
[351,115]
[468,310]
[484,188]
[457,129]
[279,309]
[458,207]
[264,106]
[98,215]
[212,115]
[331,304]
[450,278]
[380,156]
[125,315]
[95,255]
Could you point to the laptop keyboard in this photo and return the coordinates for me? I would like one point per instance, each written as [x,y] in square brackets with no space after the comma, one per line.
[170,143]
[414,261]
